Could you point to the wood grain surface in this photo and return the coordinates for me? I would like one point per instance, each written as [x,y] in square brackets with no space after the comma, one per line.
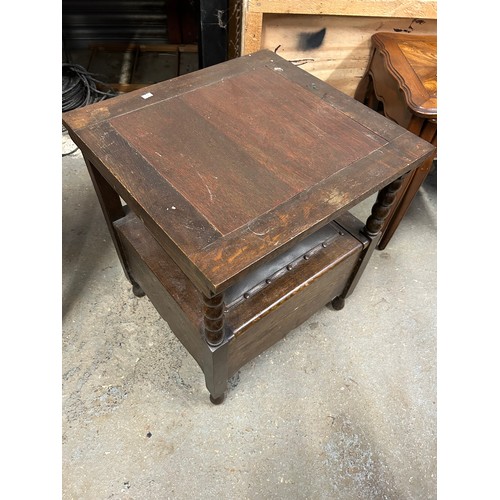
[412,61]
[230,165]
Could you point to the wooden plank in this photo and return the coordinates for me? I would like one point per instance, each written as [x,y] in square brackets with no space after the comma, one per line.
[252,33]
[169,47]
[126,87]
[378,8]
[235,26]
[335,49]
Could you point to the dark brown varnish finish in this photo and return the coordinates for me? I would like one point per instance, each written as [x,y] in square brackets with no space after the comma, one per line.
[237,181]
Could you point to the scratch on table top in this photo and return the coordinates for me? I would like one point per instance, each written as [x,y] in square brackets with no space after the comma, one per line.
[259,234]
[205,184]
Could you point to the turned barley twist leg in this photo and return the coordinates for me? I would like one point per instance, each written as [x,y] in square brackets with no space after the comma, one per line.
[213,319]
[381,208]
[372,229]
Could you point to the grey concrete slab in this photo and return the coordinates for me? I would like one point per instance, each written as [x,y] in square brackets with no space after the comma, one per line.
[343,408]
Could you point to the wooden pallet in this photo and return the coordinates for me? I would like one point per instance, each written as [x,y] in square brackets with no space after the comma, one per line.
[132,57]
[330,38]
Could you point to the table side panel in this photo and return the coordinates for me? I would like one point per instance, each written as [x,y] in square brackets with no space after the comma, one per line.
[291,311]
[387,90]
[174,297]
[305,273]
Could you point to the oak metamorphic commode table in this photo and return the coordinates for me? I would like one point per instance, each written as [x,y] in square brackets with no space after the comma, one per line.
[226,192]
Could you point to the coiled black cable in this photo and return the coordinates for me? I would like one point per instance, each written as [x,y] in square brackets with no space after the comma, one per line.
[79,88]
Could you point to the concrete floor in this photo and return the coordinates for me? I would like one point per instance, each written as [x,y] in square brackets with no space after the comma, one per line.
[343,408]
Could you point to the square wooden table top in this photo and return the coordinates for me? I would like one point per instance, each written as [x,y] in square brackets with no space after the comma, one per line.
[229,165]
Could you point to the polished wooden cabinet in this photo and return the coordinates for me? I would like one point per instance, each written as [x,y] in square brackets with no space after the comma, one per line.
[401,83]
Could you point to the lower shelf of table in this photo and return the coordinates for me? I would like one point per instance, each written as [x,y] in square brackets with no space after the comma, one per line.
[268,310]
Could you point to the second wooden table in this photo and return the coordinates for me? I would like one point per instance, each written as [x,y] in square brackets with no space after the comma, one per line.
[401,83]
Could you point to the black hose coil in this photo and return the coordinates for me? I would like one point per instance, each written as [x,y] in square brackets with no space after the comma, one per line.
[79,87]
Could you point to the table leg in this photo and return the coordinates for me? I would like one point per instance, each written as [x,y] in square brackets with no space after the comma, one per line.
[213,319]
[112,210]
[215,369]
[365,93]
[427,130]
[372,231]
[216,366]
[362,90]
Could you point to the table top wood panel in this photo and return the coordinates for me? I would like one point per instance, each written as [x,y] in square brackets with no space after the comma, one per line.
[201,137]
[231,164]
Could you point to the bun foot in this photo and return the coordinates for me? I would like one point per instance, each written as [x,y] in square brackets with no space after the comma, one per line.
[217,401]
[137,290]
[338,303]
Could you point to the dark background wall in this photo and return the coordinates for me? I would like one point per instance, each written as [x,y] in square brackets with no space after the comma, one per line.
[204,22]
